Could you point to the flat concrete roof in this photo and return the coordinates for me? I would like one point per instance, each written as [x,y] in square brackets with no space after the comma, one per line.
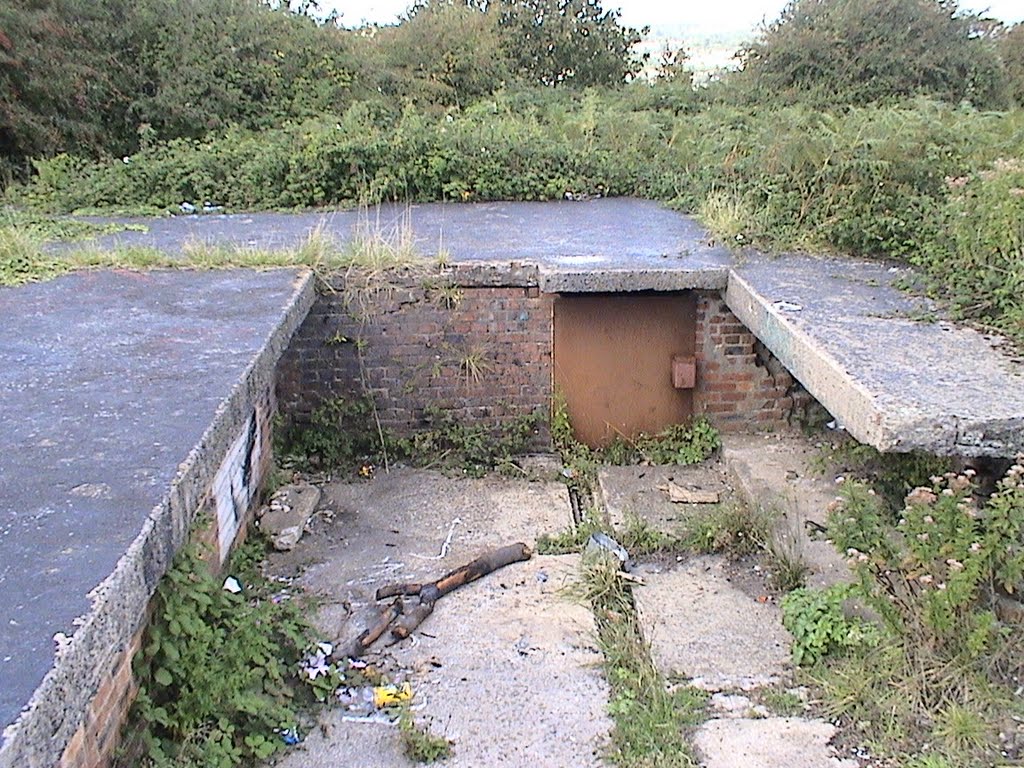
[863,348]
[894,374]
[108,380]
[572,238]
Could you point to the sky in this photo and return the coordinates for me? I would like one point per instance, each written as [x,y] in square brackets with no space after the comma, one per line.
[724,16]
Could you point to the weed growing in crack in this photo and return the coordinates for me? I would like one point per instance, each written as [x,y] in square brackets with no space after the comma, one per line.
[733,528]
[420,744]
[639,537]
[572,539]
[781,702]
[650,721]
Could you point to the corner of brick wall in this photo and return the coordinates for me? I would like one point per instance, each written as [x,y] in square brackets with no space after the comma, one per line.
[741,386]
[410,349]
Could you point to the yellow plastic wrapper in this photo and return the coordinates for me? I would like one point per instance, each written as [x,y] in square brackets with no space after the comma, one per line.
[389,695]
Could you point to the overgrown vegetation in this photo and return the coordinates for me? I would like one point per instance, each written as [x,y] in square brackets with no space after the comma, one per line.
[342,433]
[217,670]
[651,721]
[939,665]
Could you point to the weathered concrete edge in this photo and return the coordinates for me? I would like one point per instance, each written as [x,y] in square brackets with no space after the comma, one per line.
[554,280]
[495,274]
[844,397]
[878,419]
[38,737]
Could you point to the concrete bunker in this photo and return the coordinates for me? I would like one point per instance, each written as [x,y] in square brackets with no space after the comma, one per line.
[486,348]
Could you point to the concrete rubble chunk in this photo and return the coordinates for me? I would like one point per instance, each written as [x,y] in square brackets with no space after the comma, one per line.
[285,518]
[703,627]
[770,742]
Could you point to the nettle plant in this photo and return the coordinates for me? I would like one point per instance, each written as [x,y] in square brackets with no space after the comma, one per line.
[933,572]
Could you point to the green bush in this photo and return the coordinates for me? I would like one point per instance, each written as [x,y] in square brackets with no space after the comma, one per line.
[217,669]
[816,620]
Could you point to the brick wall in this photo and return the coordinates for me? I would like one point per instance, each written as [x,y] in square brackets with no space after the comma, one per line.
[477,345]
[741,386]
[417,352]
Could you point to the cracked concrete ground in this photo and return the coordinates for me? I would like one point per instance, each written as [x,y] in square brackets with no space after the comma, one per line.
[709,622]
[507,667]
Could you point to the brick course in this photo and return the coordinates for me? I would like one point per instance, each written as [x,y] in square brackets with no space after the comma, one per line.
[740,385]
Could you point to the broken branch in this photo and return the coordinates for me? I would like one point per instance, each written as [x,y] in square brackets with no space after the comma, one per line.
[483,565]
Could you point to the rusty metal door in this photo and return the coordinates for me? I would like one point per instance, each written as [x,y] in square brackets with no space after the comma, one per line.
[613,361]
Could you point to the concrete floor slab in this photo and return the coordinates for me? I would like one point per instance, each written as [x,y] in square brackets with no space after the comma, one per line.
[702,627]
[878,360]
[109,381]
[638,492]
[506,667]
[572,240]
[774,472]
[768,743]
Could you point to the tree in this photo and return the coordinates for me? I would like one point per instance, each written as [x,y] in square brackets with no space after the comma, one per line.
[1011,51]
[862,51]
[445,52]
[65,77]
[206,64]
[567,42]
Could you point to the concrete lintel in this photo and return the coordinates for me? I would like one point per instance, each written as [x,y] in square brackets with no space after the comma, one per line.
[495,274]
[596,280]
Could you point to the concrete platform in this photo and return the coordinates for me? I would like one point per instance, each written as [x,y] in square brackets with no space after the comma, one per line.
[878,360]
[506,667]
[119,395]
[871,354]
[774,473]
[768,743]
[702,627]
[576,242]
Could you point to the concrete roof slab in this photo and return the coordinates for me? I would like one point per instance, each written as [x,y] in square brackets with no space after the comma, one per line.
[878,358]
[108,380]
[609,233]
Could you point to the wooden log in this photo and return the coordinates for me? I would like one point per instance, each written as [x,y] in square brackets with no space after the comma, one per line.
[410,620]
[483,565]
[393,590]
[355,648]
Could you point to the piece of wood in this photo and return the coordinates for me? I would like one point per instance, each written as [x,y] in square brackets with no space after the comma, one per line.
[483,565]
[410,620]
[431,592]
[393,590]
[680,495]
[355,648]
